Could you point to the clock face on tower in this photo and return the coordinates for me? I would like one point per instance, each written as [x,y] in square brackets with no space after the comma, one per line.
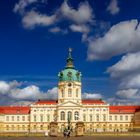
[69,84]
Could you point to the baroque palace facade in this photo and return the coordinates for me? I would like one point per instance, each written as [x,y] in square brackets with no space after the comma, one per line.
[96,115]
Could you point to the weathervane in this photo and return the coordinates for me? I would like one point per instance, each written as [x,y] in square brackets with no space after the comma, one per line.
[70,50]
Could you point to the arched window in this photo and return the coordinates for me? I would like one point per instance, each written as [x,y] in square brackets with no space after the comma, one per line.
[97,117]
[41,127]
[69,92]
[62,116]
[110,126]
[62,93]
[90,117]
[76,92]
[69,115]
[76,115]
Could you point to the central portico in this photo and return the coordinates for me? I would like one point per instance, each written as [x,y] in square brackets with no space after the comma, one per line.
[69,94]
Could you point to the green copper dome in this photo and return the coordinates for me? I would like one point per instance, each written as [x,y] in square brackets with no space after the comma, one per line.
[69,73]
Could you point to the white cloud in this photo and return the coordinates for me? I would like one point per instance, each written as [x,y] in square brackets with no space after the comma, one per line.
[92,96]
[128,93]
[32,19]
[55,30]
[4,87]
[21,5]
[126,97]
[127,71]
[33,93]
[80,16]
[131,81]
[121,38]
[113,7]
[30,92]
[14,93]
[129,64]
[79,28]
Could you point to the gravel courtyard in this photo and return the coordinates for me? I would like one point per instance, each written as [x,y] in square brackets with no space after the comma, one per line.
[75,138]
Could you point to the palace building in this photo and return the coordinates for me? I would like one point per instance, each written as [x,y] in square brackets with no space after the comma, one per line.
[70,108]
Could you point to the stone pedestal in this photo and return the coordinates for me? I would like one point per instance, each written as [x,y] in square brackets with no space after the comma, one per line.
[53,129]
[79,129]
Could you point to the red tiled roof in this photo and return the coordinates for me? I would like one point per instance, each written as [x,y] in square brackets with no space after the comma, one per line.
[123,109]
[46,102]
[93,102]
[14,110]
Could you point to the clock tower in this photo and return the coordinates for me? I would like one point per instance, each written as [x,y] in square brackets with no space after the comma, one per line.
[69,85]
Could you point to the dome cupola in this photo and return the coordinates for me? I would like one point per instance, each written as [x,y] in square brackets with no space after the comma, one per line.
[69,73]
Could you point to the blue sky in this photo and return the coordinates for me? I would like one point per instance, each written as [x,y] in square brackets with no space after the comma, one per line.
[35,36]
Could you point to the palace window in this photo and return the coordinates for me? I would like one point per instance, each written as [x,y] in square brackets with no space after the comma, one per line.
[7,118]
[23,118]
[69,92]
[62,116]
[121,126]
[104,117]
[41,127]
[23,127]
[28,117]
[126,118]
[97,117]
[115,118]
[62,93]
[12,118]
[12,127]
[110,118]
[76,92]
[17,118]
[90,117]
[48,118]
[18,127]
[84,117]
[110,126]
[34,118]
[34,126]
[76,115]
[41,118]
[126,126]
[121,118]
[69,115]
[7,127]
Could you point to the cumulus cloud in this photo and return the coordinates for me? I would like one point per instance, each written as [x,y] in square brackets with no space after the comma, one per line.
[121,38]
[55,30]
[79,28]
[129,93]
[32,19]
[21,5]
[126,97]
[92,96]
[127,71]
[128,64]
[80,16]
[113,7]
[5,87]
[16,94]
